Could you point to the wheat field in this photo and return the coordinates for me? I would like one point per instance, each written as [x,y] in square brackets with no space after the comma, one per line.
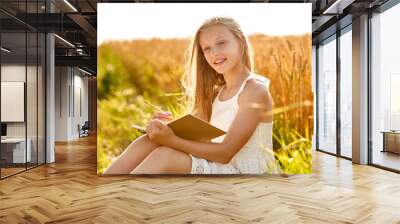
[135,77]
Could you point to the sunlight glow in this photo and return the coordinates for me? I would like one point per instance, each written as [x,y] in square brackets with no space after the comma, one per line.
[125,21]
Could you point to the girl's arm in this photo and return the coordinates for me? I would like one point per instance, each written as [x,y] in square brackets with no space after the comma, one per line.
[242,128]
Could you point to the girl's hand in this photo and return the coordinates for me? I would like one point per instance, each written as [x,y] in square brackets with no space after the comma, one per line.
[158,132]
[163,116]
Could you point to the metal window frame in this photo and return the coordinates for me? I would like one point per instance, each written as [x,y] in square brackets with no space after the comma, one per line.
[387,5]
[339,32]
[381,9]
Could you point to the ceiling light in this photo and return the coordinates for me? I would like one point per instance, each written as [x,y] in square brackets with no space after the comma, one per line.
[70,5]
[65,41]
[338,6]
[80,51]
[5,50]
[84,71]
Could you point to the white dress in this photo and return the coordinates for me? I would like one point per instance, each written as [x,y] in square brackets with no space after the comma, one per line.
[256,156]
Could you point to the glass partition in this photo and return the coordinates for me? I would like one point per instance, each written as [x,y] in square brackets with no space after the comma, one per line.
[31,100]
[22,77]
[385,89]
[346,93]
[14,153]
[327,96]
[41,110]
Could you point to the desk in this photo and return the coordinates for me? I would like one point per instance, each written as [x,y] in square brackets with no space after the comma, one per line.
[15,148]
[391,141]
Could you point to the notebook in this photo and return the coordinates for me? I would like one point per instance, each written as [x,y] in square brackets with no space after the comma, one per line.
[191,128]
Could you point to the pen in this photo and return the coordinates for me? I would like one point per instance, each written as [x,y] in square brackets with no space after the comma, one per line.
[139,128]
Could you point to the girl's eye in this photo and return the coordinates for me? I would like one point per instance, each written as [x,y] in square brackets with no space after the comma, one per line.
[206,49]
[221,43]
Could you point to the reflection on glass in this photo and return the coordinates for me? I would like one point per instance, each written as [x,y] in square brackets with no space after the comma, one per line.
[327,97]
[41,97]
[346,94]
[32,86]
[31,101]
[14,151]
[385,86]
[394,101]
[22,90]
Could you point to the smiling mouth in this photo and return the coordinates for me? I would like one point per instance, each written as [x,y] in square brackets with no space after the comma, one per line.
[218,62]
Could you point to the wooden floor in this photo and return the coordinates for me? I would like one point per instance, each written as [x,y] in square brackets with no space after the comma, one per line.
[10,171]
[69,191]
[7,171]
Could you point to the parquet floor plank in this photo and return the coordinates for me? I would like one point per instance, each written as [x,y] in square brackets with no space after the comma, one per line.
[70,191]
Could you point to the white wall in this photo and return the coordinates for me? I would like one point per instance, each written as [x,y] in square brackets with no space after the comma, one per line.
[61,103]
[12,73]
[70,84]
[33,126]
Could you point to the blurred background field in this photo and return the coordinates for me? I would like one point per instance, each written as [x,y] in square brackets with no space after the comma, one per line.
[135,77]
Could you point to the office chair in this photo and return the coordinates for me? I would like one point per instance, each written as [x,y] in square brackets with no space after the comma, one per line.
[84,130]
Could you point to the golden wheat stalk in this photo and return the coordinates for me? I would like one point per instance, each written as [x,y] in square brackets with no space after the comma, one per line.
[283,109]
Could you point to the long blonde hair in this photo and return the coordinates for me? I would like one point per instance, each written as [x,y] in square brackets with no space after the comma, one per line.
[201,82]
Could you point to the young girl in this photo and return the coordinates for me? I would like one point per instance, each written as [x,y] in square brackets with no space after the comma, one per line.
[228,95]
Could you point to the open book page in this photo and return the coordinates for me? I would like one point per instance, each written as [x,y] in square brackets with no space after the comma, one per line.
[191,128]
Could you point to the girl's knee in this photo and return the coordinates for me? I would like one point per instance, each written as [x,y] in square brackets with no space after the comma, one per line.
[159,161]
[162,153]
[166,159]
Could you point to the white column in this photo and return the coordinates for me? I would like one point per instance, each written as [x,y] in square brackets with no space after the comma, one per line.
[50,110]
[62,103]
[360,90]
[50,93]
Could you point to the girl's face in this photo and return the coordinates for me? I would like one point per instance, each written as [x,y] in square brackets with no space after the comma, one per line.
[221,48]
